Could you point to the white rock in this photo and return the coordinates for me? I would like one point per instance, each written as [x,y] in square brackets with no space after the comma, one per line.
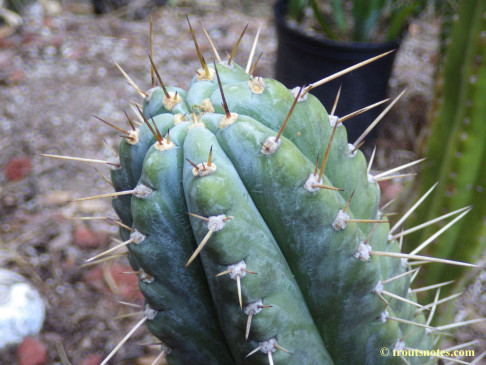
[22,310]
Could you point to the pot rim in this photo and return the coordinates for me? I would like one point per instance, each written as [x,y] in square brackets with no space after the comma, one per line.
[343,46]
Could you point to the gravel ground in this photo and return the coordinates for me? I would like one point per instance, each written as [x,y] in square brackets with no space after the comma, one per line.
[55,73]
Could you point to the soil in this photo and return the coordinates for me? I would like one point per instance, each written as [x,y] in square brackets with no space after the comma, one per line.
[56,72]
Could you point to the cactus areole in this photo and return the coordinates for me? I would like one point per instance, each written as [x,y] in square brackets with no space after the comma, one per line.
[247,250]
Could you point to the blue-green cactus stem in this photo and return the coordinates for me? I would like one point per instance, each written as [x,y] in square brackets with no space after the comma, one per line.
[180,296]
[244,239]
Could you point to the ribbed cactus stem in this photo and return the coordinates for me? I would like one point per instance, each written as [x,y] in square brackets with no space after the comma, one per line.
[456,148]
[255,230]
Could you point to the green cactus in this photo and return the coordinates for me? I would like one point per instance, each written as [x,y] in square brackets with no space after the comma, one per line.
[456,147]
[249,252]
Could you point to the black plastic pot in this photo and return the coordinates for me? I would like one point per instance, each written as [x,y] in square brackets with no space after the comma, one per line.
[302,59]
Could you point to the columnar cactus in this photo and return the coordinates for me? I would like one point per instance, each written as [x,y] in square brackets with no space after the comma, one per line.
[456,147]
[247,250]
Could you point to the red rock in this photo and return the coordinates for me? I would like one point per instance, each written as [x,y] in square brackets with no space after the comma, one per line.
[32,352]
[127,284]
[91,359]
[16,76]
[85,238]
[94,278]
[18,167]
[389,191]
[6,43]
[29,38]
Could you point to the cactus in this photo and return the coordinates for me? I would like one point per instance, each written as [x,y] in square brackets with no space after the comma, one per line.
[456,146]
[247,250]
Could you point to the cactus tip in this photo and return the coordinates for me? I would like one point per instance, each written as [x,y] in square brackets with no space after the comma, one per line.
[79,159]
[284,124]
[377,119]
[225,105]
[198,50]
[253,67]
[238,286]
[130,121]
[249,68]
[130,81]
[233,52]
[210,156]
[333,110]
[112,125]
[201,246]
[151,40]
[343,72]
[108,258]
[154,69]
[108,195]
[123,340]
[215,51]
[104,253]
[425,259]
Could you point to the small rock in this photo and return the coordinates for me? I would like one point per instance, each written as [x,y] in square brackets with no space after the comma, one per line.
[94,277]
[127,284]
[18,167]
[91,206]
[389,191]
[124,286]
[9,201]
[16,76]
[85,238]
[32,352]
[22,310]
[54,198]
[92,359]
